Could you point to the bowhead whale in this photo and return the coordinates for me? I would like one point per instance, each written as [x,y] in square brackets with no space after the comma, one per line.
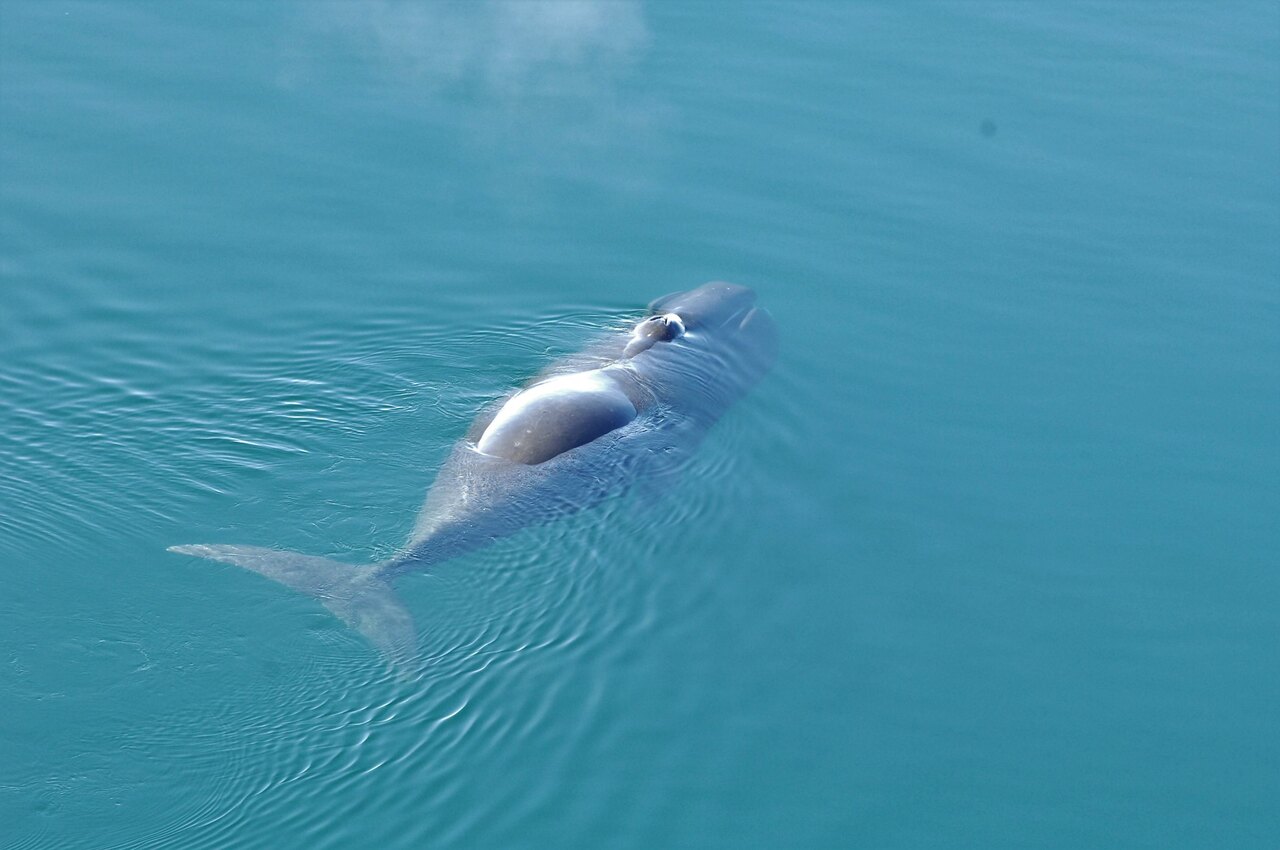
[629,407]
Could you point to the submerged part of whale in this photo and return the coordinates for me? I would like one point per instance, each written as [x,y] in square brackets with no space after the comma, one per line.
[630,406]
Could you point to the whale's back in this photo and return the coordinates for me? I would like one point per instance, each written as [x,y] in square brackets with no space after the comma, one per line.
[556,415]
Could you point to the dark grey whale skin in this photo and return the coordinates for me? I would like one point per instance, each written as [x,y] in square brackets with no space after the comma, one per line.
[679,389]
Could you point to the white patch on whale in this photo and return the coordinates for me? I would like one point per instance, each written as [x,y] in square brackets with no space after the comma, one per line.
[520,413]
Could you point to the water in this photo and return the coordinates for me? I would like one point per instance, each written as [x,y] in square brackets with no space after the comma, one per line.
[990,558]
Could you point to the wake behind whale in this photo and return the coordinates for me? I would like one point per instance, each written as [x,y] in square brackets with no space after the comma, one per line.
[629,408]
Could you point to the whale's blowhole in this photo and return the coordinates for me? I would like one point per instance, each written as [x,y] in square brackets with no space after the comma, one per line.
[661,328]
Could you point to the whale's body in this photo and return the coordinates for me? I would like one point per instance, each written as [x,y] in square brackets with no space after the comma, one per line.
[630,407]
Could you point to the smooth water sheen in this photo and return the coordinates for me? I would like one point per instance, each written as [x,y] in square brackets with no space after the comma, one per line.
[990,559]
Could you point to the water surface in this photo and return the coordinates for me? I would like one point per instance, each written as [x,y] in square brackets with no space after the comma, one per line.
[990,558]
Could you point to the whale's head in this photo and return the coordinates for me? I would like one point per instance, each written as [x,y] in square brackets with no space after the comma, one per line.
[716,329]
[712,305]
[720,313]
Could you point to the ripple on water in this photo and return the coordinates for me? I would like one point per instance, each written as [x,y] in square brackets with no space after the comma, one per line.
[339,433]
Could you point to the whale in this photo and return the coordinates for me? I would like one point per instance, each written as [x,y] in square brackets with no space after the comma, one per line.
[629,408]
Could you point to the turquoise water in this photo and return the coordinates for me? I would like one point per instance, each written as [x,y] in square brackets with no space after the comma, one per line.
[988,560]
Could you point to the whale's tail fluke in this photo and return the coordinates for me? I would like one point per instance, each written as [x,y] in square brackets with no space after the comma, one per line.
[356,595]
